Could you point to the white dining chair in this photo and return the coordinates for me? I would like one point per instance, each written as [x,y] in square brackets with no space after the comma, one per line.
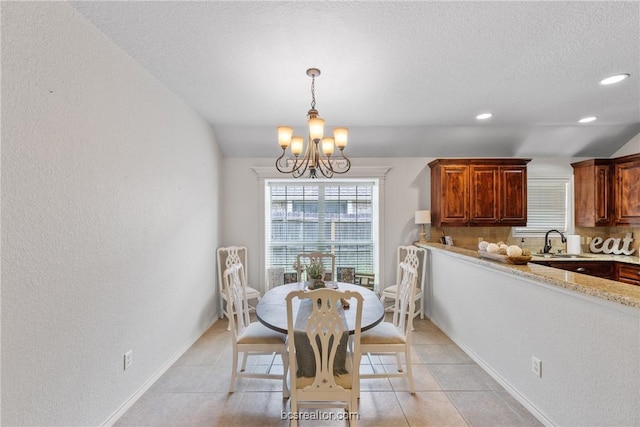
[275,277]
[317,334]
[251,338]
[394,338]
[328,261]
[417,258]
[228,256]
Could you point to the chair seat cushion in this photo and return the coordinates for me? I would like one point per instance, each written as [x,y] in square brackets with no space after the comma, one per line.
[257,333]
[251,291]
[343,381]
[383,333]
[390,290]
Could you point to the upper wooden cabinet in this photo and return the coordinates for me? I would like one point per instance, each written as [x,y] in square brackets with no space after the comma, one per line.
[607,191]
[479,192]
[593,192]
[627,195]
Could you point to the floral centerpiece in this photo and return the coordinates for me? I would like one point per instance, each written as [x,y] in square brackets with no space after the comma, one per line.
[315,274]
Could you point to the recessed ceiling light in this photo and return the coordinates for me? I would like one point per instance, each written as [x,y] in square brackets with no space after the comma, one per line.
[614,79]
[587,119]
[484,116]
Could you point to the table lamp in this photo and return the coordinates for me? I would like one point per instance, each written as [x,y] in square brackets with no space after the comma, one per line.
[422,218]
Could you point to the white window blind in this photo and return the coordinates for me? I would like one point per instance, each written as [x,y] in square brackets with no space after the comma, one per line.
[548,206]
[338,217]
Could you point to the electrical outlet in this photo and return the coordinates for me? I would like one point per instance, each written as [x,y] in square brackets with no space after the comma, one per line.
[128,359]
[536,366]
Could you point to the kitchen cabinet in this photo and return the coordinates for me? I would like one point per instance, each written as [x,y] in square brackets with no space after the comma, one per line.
[607,191]
[602,269]
[627,195]
[479,192]
[628,273]
[593,193]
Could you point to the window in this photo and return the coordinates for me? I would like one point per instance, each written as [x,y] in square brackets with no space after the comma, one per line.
[340,217]
[548,206]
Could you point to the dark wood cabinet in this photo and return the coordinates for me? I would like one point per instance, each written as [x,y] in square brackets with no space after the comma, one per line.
[620,271]
[479,192]
[628,273]
[593,193]
[602,269]
[607,191]
[627,195]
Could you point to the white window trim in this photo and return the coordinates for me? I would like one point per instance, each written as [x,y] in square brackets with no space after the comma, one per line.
[376,173]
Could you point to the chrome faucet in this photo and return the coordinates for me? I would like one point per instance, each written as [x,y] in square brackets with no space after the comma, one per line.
[547,242]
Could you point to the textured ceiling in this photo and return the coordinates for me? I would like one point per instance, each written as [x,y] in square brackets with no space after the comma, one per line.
[407,78]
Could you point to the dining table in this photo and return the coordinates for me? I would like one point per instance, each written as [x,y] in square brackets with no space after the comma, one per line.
[271,310]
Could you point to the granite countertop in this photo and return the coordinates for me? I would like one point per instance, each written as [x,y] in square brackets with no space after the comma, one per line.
[610,290]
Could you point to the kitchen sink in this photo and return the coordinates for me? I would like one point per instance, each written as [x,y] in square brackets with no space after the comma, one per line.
[560,256]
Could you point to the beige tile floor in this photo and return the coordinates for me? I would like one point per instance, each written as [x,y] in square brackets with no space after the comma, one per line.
[451,390]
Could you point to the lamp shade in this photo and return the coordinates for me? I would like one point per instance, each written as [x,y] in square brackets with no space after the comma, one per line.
[423,217]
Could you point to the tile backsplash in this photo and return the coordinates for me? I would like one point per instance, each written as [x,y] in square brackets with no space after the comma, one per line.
[468,237]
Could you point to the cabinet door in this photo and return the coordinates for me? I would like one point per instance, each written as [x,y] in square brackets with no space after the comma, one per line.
[484,193]
[604,195]
[627,198]
[593,193]
[512,203]
[628,273]
[454,181]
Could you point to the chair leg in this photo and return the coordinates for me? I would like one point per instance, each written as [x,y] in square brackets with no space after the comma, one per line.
[373,367]
[407,357]
[285,371]
[244,361]
[294,413]
[233,372]
[399,362]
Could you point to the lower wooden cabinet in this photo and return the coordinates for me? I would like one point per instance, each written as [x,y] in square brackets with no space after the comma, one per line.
[628,273]
[622,272]
[602,269]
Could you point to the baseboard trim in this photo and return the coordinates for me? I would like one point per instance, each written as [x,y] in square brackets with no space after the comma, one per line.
[138,393]
[496,376]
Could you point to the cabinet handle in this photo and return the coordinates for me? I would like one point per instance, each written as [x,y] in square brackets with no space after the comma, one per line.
[581,269]
[638,273]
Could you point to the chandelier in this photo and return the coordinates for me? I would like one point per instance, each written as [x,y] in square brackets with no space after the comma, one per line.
[317,154]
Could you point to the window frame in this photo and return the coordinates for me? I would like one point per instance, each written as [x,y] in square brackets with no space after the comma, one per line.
[375,220]
[540,230]
[376,173]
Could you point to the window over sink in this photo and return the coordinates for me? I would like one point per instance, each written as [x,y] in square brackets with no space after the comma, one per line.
[549,206]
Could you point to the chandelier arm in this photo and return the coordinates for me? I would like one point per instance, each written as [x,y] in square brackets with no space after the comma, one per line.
[325,165]
[279,162]
[347,166]
[301,164]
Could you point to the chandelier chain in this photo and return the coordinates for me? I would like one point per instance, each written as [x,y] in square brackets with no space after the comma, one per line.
[313,92]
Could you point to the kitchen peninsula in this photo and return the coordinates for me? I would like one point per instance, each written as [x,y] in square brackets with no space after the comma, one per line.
[584,330]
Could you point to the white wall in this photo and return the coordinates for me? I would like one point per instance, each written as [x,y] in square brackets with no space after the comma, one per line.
[109,220]
[588,347]
[631,147]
